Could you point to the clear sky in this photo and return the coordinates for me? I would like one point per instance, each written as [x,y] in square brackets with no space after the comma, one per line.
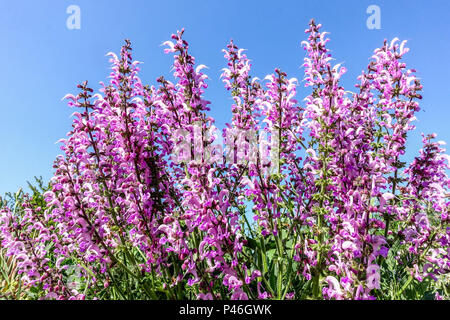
[41,59]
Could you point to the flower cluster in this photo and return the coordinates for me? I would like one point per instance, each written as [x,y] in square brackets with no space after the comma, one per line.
[306,200]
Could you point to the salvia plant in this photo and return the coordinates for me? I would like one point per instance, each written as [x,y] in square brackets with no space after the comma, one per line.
[306,200]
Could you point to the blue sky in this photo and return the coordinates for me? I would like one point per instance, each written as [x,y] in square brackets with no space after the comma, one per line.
[41,59]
